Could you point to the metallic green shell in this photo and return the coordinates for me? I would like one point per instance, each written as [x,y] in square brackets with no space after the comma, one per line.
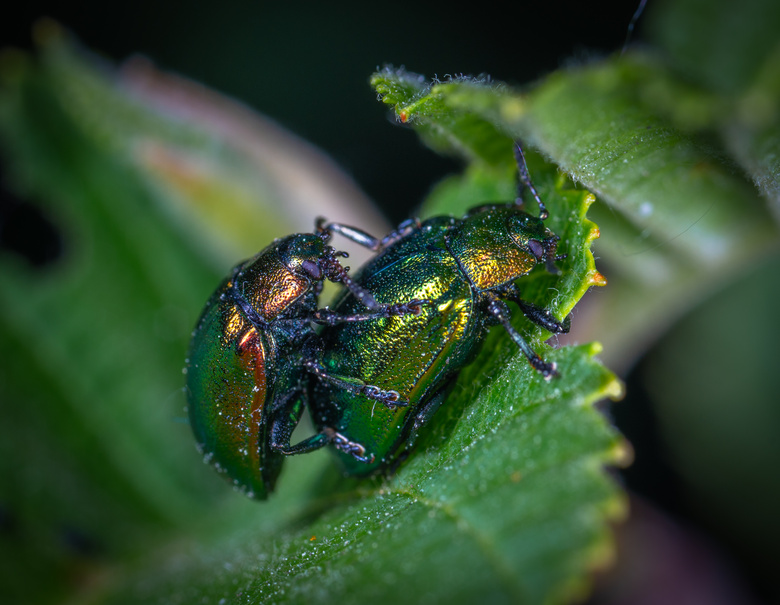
[227,387]
[476,242]
[447,261]
[236,370]
[378,353]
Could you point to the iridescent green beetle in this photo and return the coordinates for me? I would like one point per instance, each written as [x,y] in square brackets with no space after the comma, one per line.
[247,362]
[468,268]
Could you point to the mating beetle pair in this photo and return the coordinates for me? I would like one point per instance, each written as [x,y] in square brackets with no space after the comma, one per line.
[375,375]
[246,366]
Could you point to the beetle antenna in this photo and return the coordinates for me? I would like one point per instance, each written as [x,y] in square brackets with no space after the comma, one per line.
[525,181]
[321,228]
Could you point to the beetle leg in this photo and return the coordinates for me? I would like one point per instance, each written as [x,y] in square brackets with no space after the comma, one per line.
[284,418]
[353,234]
[544,318]
[539,315]
[353,448]
[327,317]
[365,239]
[499,310]
[421,419]
[404,229]
[310,444]
[336,273]
[525,181]
[425,414]
[391,399]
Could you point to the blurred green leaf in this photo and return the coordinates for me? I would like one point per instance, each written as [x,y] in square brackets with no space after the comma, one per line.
[711,380]
[719,45]
[225,176]
[680,220]
[714,384]
[98,459]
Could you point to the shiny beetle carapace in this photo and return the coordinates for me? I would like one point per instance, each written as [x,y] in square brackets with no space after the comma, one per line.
[469,269]
[247,370]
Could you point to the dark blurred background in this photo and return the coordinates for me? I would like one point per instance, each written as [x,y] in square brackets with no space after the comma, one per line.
[306,65]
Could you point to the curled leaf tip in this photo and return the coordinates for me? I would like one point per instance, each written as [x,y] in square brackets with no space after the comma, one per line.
[623,454]
[593,234]
[597,279]
[594,348]
[615,390]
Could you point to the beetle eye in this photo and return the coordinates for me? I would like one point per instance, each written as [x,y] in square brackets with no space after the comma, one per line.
[536,248]
[312,269]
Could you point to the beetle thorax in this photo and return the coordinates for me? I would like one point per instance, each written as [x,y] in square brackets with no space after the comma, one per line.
[270,287]
[488,254]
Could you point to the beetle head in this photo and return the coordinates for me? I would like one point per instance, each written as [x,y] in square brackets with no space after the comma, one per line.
[307,255]
[529,233]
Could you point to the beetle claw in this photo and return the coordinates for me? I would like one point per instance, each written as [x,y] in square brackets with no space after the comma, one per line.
[413,307]
[349,447]
[547,370]
[391,399]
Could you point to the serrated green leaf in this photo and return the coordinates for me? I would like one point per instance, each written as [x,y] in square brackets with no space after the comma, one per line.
[684,146]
